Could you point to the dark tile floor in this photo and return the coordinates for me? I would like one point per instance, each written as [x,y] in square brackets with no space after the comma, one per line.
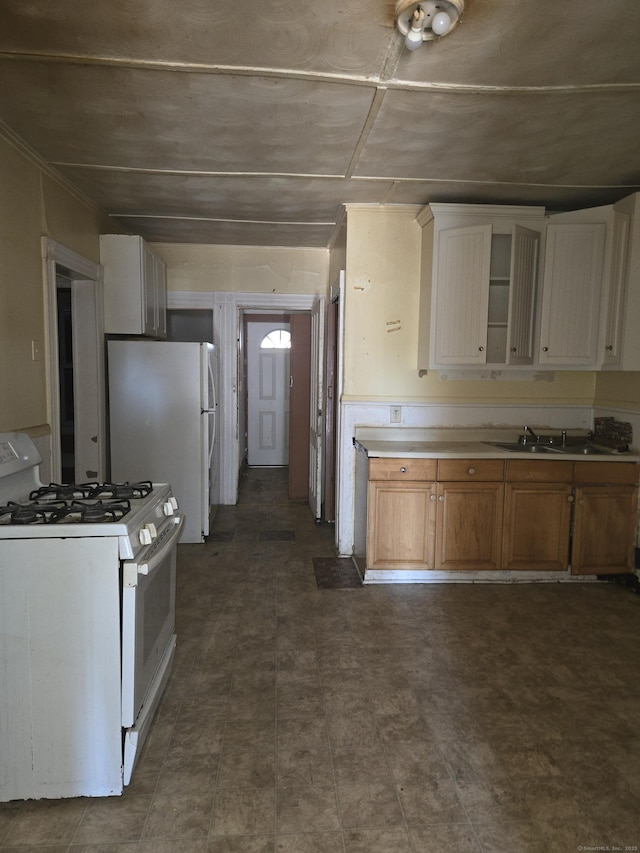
[379,719]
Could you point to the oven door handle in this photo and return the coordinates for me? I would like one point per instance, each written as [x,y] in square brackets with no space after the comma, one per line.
[141,566]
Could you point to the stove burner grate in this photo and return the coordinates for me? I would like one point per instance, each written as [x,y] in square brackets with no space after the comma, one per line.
[64,512]
[91,491]
[33,513]
[99,511]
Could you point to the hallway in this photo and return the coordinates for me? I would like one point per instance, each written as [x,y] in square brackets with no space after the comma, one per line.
[382,719]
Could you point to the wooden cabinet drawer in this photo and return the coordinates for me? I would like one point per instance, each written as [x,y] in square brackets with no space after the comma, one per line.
[623,473]
[523,471]
[402,469]
[461,470]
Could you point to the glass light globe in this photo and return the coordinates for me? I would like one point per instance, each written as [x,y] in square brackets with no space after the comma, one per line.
[441,23]
[413,39]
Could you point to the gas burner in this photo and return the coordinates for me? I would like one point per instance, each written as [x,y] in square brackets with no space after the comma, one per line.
[64,491]
[100,511]
[123,490]
[88,491]
[64,512]
[33,513]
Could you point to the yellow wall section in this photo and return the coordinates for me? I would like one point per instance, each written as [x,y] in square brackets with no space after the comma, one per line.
[381,302]
[246,269]
[22,381]
[381,324]
[32,205]
[618,389]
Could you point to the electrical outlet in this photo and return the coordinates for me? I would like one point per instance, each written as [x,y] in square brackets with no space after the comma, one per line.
[395,414]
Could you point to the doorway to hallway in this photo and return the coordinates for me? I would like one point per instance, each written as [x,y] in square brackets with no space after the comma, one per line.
[268,384]
[277,376]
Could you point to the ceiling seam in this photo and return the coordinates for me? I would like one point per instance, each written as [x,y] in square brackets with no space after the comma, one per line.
[186,218]
[193,172]
[315,76]
[200,173]
[363,136]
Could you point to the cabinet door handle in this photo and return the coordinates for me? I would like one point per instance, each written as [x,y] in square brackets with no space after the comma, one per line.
[571,499]
[514,349]
[480,349]
[403,470]
[545,349]
[609,347]
[432,497]
[441,498]
[471,471]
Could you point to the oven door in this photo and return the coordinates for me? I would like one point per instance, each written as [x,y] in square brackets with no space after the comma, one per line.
[148,619]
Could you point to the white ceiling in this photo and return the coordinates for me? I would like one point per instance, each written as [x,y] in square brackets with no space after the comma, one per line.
[253,122]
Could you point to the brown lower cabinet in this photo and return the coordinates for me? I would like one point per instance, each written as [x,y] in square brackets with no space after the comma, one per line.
[537,519]
[470,508]
[487,515]
[401,514]
[401,525]
[453,521]
[605,518]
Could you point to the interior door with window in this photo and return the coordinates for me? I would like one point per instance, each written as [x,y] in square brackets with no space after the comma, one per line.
[268,348]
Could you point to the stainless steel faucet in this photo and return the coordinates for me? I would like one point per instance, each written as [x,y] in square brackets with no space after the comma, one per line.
[532,433]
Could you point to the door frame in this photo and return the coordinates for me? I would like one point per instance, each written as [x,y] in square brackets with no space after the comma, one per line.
[228,310]
[317,414]
[85,275]
[337,295]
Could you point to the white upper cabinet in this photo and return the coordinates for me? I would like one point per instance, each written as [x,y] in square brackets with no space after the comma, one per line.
[590,313]
[479,278]
[571,294]
[461,298]
[135,289]
[525,252]
[482,304]
[614,303]
[622,341]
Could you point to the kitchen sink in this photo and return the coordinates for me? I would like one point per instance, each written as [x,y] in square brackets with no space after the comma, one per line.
[589,450]
[578,449]
[517,447]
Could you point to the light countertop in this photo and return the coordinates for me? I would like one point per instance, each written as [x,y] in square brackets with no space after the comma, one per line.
[436,446]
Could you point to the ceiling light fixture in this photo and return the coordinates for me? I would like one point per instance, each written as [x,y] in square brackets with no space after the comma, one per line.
[426,20]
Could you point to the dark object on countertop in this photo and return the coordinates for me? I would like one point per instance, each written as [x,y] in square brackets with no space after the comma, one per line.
[608,432]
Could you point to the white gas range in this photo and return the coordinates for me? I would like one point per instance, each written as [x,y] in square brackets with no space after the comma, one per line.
[87,626]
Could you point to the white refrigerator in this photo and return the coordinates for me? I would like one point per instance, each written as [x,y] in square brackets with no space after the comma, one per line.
[162,422]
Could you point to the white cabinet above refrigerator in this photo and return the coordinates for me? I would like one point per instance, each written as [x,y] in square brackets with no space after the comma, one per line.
[135,287]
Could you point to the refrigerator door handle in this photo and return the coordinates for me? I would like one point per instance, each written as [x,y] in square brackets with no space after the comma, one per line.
[212,433]
[212,402]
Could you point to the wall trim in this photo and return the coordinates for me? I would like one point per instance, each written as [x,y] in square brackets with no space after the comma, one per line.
[82,269]
[184,300]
